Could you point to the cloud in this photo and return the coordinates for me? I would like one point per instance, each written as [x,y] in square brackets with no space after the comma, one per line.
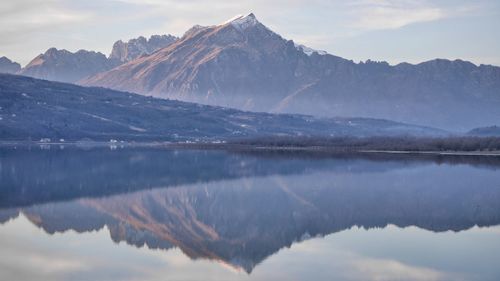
[24,15]
[29,27]
[389,14]
[387,269]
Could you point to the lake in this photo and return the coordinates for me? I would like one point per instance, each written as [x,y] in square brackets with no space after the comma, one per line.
[69,213]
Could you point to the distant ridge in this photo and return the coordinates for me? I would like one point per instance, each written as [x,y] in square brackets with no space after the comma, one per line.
[8,66]
[35,109]
[491,131]
[66,66]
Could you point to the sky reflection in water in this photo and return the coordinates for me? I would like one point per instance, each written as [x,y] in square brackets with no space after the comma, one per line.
[149,214]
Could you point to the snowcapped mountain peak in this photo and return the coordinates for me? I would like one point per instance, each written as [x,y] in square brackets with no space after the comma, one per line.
[241,22]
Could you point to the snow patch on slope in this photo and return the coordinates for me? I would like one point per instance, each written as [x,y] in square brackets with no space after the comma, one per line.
[309,51]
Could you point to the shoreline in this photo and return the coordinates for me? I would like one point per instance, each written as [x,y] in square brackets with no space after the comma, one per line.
[238,147]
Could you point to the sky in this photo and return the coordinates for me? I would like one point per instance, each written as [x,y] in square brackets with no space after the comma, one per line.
[394,31]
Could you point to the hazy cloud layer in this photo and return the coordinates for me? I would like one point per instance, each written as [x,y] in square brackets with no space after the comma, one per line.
[394,14]
[357,30]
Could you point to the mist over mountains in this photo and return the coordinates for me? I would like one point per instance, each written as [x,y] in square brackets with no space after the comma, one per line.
[243,64]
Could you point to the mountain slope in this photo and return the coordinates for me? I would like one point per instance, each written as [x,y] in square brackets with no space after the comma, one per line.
[8,66]
[490,131]
[32,108]
[65,66]
[243,64]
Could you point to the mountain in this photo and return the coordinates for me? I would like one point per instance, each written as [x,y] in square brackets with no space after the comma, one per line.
[137,47]
[225,65]
[65,66]
[491,131]
[8,66]
[243,64]
[34,109]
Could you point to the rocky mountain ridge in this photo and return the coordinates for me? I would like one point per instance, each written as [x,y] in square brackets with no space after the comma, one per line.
[245,65]
[65,66]
[137,47]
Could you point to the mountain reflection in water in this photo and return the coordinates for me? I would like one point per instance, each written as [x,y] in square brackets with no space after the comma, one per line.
[241,208]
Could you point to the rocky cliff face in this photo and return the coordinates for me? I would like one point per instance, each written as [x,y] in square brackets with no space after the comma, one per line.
[134,48]
[8,66]
[243,64]
[65,66]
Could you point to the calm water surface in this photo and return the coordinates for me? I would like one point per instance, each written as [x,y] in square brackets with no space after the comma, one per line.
[159,214]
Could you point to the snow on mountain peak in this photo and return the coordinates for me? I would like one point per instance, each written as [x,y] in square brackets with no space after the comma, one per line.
[309,51]
[241,22]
